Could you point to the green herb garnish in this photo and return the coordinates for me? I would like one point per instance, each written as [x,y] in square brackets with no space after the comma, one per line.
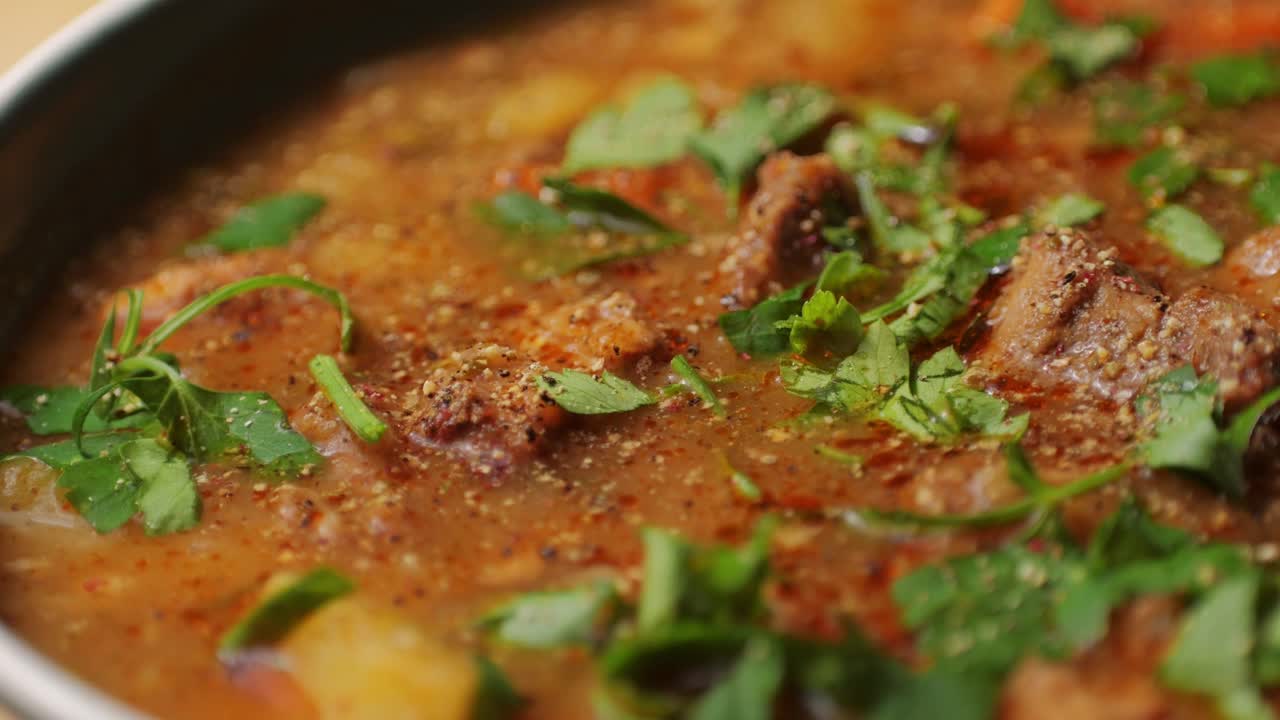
[589,227]
[1265,196]
[652,128]
[139,424]
[555,618]
[1238,79]
[1069,210]
[1124,112]
[350,407]
[755,331]
[1186,235]
[270,222]
[1163,174]
[698,384]
[584,394]
[283,610]
[767,119]
[1190,435]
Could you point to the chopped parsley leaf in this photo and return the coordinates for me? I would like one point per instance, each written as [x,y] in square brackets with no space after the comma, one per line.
[1265,196]
[270,222]
[136,458]
[652,128]
[755,331]
[1186,235]
[555,618]
[825,323]
[1123,112]
[1163,174]
[1069,210]
[1238,79]
[1188,436]
[584,394]
[767,119]
[559,240]
[283,609]
[698,384]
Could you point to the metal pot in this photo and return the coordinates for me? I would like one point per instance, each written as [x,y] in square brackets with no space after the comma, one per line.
[120,100]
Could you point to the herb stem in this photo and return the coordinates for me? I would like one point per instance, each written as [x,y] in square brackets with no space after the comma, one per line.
[231,290]
[350,407]
[697,384]
[129,335]
[1051,496]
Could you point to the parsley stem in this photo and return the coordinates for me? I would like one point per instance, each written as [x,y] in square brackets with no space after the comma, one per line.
[697,384]
[231,290]
[353,411]
[1051,495]
[129,335]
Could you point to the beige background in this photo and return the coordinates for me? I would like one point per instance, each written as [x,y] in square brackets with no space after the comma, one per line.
[23,24]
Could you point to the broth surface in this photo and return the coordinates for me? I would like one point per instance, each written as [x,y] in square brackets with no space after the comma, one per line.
[403,148]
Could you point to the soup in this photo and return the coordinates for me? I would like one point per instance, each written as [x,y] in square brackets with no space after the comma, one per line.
[709,359]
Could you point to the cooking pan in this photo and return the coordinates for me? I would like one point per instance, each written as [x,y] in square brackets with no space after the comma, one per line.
[113,105]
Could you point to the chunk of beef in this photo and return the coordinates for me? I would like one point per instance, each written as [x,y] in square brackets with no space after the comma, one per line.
[1072,315]
[484,403]
[781,231]
[1251,270]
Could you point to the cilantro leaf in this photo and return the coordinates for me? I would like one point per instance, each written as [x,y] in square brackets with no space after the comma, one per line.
[167,495]
[102,490]
[210,425]
[767,119]
[879,365]
[825,322]
[1265,196]
[584,394]
[1069,210]
[843,270]
[1211,653]
[350,407]
[755,331]
[558,241]
[1237,79]
[270,222]
[936,405]
[556,618]
[947,284]
[520,212]
[128,477]
[65,453]
[652,128]
[50,411]
[714,584]
[982,613]
[1125,111]
[1132,555]
[1038,18]
[1086,51]
[700,387]
[747,692]
[284,609]
[1163,174]
[1186,435]
[495,698]
[1186,235]
[888,233]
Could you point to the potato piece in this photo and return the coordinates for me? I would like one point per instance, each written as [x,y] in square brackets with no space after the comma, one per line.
[357,661]
[543,105]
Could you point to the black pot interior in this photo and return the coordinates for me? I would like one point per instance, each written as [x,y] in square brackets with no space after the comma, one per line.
[155,94]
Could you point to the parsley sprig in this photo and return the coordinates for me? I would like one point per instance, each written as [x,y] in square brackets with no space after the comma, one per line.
[139,425]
